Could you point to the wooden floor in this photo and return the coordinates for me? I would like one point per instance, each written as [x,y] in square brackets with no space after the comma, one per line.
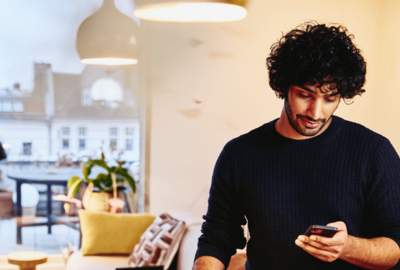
[36,238]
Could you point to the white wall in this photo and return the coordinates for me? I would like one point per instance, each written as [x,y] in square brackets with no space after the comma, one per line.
[222,67]
[385,108]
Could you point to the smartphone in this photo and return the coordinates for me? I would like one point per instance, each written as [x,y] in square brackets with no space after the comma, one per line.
[321,230]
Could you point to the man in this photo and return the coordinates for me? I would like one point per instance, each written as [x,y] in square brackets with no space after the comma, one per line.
[307,168]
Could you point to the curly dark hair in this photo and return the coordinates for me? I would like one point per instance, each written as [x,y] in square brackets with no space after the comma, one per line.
[313,52]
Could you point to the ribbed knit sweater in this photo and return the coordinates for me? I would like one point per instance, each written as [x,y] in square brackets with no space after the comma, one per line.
[348,173]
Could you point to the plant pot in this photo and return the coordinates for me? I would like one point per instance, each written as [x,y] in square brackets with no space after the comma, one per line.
[6,203]
[97,201]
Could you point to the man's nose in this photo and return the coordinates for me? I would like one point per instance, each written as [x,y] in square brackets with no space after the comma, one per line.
[314,110]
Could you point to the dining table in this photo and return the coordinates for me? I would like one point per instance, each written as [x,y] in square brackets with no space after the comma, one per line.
[48,177]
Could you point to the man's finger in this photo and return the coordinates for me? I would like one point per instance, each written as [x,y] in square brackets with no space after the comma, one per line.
[319,253]
[328,241]
[316,244]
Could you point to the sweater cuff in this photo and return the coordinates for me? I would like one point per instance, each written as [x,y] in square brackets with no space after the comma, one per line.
[205,249]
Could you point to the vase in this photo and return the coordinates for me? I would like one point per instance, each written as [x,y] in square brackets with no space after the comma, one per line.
[97,201]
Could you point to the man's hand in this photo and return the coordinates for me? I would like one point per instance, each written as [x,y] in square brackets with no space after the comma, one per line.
[327,249]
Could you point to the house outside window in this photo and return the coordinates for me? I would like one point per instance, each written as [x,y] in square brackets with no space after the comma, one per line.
[82,144]
[65,131]
[113,131]
[129,131]
[113,144]
[82,131]
[27,149]
[65,143]
[129,144]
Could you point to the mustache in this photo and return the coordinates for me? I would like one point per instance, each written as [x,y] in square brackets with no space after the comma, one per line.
[322,120]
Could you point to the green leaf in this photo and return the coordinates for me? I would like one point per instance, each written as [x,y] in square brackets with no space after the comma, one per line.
[86,169]
[100,162]
[98,185]
[110,189]
[101,177]
[72,180]
[89,180]
[122,170]
[120,180]
[120,163]
[74,183]
[115,169]
[104,178]
[128,178]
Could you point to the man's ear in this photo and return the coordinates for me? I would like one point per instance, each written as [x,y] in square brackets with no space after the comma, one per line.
[280,93]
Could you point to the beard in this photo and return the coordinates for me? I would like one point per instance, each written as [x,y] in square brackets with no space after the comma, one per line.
[294,121]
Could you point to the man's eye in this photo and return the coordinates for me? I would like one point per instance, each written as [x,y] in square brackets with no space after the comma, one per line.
[304,96]
[330,100]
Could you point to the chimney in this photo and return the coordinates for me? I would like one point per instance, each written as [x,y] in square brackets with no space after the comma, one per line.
[17,86]
[42,71]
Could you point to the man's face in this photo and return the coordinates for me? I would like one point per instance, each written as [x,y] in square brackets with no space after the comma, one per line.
[309,108]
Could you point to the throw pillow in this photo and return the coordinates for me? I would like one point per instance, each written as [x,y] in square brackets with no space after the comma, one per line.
[106,233]
[158,245]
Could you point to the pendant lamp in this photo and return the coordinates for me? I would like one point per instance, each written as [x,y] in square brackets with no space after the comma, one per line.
[108,37]
[191,10]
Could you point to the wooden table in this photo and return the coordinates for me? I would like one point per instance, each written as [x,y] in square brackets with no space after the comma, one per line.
[27,260]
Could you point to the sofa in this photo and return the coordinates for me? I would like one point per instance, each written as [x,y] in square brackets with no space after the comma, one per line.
[182,261]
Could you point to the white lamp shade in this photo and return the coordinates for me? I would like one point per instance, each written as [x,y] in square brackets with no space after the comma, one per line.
[191,10]
[108,37]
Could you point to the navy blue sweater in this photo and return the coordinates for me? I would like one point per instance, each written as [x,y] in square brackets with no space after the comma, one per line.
[348,173]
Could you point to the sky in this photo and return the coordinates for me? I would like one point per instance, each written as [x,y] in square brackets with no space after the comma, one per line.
[43,31]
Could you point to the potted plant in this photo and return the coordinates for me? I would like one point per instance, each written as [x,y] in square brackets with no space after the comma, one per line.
[103,191]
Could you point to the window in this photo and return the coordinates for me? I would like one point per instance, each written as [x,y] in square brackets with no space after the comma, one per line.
[82,144]
[65,131]
[27,149]
[113,131]
[65,144]
[113,144]
[7,106]
[82,131]
[18,106]
[86,98]
[129,144]
[65,109]
[129,131]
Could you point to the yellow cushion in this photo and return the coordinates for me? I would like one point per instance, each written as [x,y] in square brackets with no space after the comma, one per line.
[106,233]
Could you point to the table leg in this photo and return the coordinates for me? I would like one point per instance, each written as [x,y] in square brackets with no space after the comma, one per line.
[49,210]
[80,239]
[19,234]
[17,210]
